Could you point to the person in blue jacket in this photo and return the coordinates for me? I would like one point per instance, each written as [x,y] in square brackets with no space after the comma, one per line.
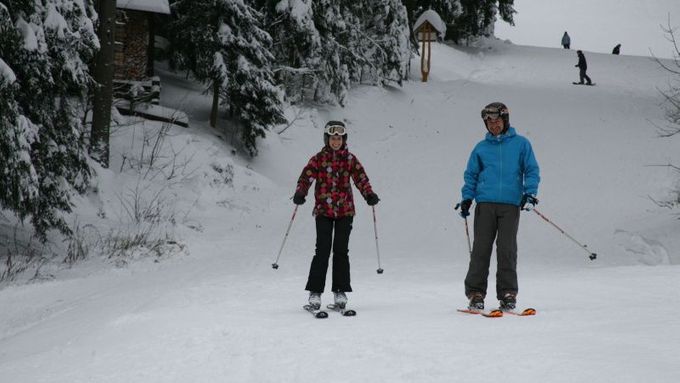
[502,177]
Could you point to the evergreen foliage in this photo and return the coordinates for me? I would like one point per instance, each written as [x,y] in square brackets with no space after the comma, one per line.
[44,50]
[322,47]
[222,44]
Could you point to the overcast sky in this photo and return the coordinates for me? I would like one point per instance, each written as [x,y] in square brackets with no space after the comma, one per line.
[595,26]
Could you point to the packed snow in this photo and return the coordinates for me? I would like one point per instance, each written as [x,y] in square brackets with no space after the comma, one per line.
[215,310]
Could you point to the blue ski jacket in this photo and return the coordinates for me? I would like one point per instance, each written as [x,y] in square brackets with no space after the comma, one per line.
[501,169]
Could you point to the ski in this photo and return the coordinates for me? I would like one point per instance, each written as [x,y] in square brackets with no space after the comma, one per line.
[343,311]
[578,83]
[523,313]
[319,314]
[484,313]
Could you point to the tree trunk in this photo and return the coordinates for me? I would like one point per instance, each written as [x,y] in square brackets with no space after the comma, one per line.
[151,48]
[103,75]
[215,104]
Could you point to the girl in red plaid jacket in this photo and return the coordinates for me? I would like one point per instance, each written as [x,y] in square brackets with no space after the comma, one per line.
[332,169]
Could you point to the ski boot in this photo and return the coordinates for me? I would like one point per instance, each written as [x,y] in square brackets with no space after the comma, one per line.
[315,300]
[508,302]
[340,299]
[476,301]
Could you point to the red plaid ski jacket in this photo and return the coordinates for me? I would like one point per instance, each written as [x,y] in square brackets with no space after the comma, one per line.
[332,170]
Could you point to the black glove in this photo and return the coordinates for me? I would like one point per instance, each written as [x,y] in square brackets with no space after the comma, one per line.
[465,207]
[528,199]
[298,199]
[372,199]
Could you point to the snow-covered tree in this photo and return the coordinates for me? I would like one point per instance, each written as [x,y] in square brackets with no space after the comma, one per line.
[297,43]
[385,37]
[223,44]
[477,18]
[44,50]
[322,47]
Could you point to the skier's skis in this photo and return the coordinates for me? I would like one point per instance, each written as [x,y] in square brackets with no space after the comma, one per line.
[523,313]
[484,313]
[319,314]
[344,311]
[578,83]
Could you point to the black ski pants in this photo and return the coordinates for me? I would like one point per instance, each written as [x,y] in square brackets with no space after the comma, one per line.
[582,75]
[325,240]
[499,222]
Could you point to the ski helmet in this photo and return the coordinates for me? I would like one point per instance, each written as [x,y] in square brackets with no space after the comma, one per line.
[496,110]
[334,128]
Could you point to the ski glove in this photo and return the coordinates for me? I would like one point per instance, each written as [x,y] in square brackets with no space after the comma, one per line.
[372,199]
[298,199]
[528,199]
[465,207]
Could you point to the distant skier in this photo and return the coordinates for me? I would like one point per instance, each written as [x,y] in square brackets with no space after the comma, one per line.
[332,169]
[566,40]
[617,49]
[502,176]
[583,66]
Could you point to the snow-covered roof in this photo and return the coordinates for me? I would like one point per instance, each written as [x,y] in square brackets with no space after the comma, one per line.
[434,19]
[156,6]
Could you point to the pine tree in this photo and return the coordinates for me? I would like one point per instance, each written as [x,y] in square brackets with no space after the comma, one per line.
[296,46]
[44,48]
[385,36]
[222,43]
[478,17]
[322,47]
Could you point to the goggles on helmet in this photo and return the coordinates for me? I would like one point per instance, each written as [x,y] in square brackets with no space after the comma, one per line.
[335,130]
[492,113]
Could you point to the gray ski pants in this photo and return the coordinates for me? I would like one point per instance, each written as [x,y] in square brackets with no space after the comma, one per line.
[499,222]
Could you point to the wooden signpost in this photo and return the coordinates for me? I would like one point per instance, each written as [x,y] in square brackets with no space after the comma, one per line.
[427,28]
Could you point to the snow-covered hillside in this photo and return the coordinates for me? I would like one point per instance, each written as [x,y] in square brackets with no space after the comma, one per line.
[594,25]
[218,312]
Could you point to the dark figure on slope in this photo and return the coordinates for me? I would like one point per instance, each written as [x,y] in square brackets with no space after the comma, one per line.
[582,66]
[502,176]
[617,49]
[566,40]
[332,169]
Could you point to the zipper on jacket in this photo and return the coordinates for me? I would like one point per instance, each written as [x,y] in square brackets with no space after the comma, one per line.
[500,178]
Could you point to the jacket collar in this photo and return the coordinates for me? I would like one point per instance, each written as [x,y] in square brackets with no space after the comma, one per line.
[501,137]
[327,149]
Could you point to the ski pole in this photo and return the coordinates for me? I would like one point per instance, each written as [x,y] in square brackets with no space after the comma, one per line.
[467,231]
[592,256]
[377,249]
[275,265]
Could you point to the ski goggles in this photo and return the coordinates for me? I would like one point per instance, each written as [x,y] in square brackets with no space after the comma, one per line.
[492,114]
[335,130]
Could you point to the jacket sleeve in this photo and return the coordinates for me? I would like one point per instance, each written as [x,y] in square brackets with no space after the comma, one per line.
[360,178]
[308,175]
[471,176]
[531,170]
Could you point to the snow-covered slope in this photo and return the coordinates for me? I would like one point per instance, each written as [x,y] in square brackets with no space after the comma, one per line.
[221,314]
[594,25]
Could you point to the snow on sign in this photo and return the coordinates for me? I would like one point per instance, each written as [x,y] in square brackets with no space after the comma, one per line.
[156,6]
[428,26]
[435,25]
